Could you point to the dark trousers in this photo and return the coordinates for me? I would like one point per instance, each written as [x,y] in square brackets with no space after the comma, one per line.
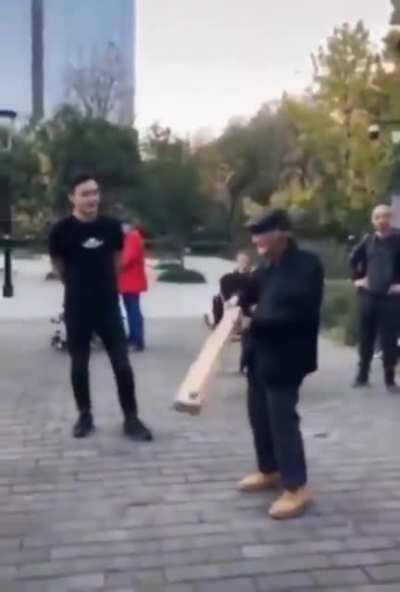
[218,309]
[245,350]
[276,427]
[110,330]
[135,319]
[378,316]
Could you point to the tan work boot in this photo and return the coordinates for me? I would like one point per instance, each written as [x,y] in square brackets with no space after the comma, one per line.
[291,504]
[259,482]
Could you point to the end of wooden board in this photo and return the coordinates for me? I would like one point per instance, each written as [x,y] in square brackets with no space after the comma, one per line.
[186,408]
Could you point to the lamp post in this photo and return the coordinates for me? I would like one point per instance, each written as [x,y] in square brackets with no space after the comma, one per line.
[7,122]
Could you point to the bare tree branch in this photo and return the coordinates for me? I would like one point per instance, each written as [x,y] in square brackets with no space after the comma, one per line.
[99,88]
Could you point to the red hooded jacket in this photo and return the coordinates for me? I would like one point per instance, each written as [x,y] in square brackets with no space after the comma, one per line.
[132,279]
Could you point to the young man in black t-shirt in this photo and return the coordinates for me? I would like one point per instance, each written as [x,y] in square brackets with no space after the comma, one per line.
[85,250]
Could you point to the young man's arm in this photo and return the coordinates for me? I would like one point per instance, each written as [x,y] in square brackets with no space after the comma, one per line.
[56,254]
[117,262]
[118,246]
[58,266]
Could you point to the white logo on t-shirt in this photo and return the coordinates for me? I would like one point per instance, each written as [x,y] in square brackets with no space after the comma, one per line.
[92,243]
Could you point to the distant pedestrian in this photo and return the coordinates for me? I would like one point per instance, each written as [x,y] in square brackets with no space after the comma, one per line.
[375,267]
[132,283]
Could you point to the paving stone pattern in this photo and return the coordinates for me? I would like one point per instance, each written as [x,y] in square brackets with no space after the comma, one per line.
[109,515]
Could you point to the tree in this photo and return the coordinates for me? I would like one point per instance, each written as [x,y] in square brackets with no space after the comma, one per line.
[172,198]
[71,141]
[349,171]
[100,89]
[245,163]
[22,187]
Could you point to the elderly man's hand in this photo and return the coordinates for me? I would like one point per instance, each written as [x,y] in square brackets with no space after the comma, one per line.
[362,283]
[232,302]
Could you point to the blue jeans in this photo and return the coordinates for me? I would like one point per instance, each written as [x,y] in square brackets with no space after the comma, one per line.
[135,319]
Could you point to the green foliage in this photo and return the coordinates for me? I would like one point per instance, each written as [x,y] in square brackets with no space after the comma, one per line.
[339,311]
[171,195]
[71,141]
[180,275]
[311,155]
[174,267]
[21,184]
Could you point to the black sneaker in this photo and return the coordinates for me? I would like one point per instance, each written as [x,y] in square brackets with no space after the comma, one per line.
[136,430]
[84,426]
[390,381]
[360,383]
[393,388]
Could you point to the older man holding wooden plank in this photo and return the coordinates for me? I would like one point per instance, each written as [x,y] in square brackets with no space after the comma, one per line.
[287,292]
[284,299]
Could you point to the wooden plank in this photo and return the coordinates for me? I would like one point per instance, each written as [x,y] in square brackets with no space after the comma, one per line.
[195,387]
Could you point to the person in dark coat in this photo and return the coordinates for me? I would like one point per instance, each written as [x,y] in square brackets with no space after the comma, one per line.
[375,270]
[230,284]
[284,299]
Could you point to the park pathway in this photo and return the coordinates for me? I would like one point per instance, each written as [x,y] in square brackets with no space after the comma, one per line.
[109,515]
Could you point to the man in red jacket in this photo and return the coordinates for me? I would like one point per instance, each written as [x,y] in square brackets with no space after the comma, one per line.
[132,283]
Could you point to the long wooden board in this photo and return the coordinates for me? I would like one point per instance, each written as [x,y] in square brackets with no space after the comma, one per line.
[194,388]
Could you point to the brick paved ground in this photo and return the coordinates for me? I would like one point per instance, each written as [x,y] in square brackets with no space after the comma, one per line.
[109,515]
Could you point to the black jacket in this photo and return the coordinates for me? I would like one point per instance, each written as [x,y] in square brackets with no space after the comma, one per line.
[233,284]
[286,318]
[362,257]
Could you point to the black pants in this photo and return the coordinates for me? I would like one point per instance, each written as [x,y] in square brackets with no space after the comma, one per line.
[218,309]
[109,328]
[378,316]
[245,350]
[276,426]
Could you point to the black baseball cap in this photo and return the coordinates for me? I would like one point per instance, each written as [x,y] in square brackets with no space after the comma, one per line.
[273,220]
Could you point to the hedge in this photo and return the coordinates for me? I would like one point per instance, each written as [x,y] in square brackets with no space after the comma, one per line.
[339,311]
[180,275]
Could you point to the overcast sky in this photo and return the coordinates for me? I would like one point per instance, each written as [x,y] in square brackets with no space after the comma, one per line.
[199,62]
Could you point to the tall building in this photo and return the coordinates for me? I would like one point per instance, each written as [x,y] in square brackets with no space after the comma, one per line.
[37,56]
[88,37]
[52,44]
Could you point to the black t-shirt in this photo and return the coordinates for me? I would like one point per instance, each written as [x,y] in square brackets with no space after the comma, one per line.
[380,264]
[88,251]
[378,258]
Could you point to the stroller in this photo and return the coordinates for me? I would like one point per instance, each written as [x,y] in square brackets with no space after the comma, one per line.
[58,339]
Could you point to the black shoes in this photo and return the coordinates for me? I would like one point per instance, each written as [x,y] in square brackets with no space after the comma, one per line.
[136,430]
[360,382]
[84,426]
[133,428]
[390,381]
[392,387]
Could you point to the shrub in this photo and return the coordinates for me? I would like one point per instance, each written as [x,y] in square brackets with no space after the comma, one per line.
[180,275]
[339,311]
[207,247]
[168,266]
